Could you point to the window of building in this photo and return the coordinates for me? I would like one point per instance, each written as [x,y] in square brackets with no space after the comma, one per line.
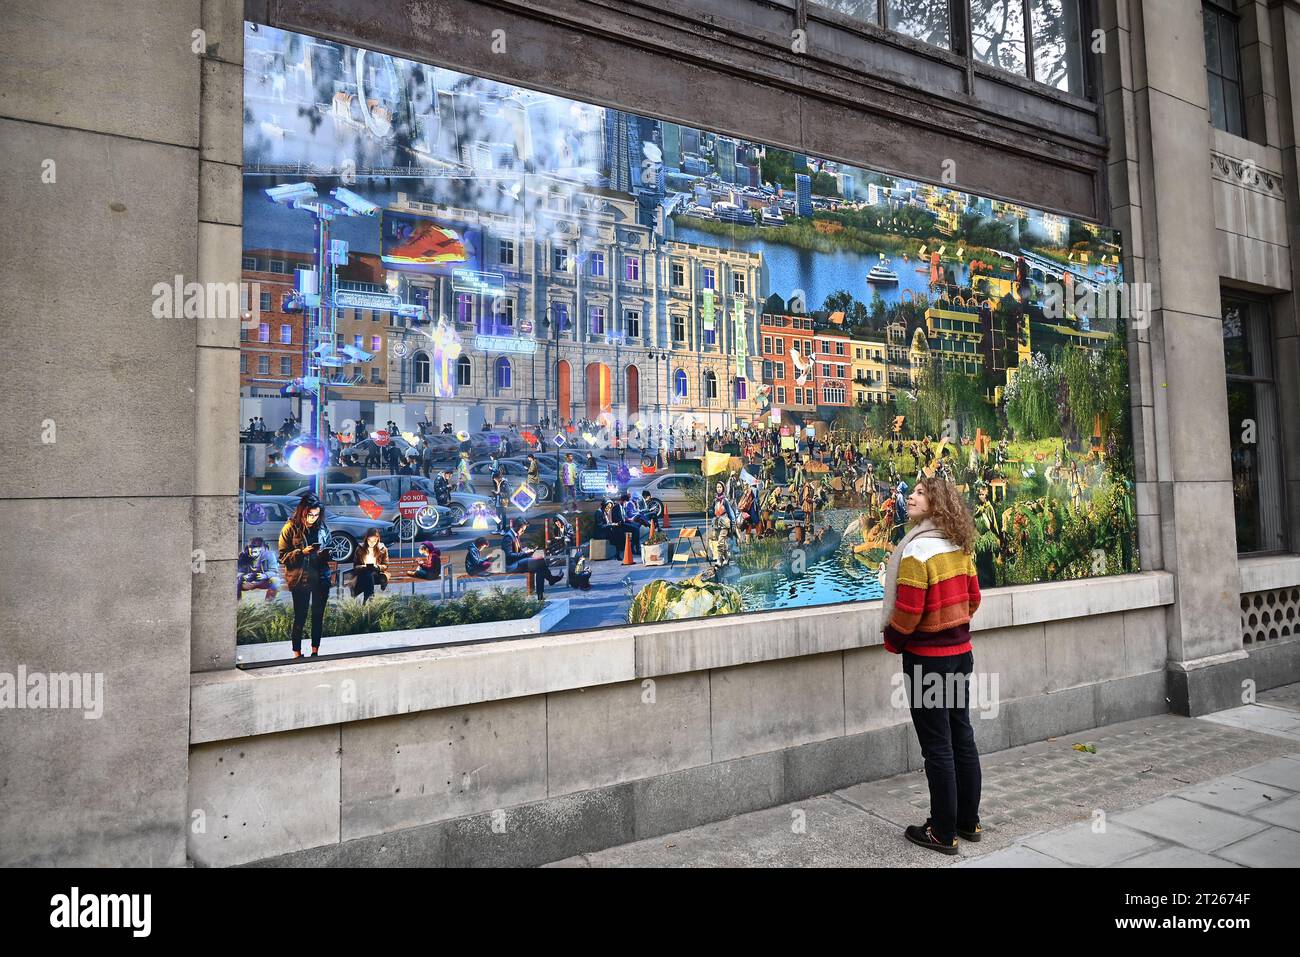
[632,324]
[561,315]
[286,334]
[679,328]
[421,368]
[462,371]
[506,312]
[632,268]
[464,307]
[798,396]
[710,384]
[249,263]
[997,33]
[780,370]
[780,395]
[263,364]
[926,20]
[767,345]
[507,247]
[243,362]
[278,266]
[286,366]
[503,373]
[1259,501]
[596,264]
[767,369]
[263,332]
[374,315]
[356,342]
[374,377]
[560,259]
[839,372]
[737,283]
[678,274]
[709,277]
[710,335]
[1223,69]
[742,388]
[826,370]
[596,315]
[375,344]
[1058,44]
[839,348]
[680,387]
[264,302]
[780,347]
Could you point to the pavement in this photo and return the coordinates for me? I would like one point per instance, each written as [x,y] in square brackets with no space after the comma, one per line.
[1221,790]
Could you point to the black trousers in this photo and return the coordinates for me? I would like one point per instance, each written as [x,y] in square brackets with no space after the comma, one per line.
[313,597]
[940,706]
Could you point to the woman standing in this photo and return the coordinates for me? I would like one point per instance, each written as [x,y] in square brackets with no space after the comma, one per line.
[931,592]
[303,543]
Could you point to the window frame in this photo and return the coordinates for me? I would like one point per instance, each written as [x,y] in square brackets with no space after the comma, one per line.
[1223,14]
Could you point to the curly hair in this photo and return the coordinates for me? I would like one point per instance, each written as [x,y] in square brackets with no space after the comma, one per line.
[949,513]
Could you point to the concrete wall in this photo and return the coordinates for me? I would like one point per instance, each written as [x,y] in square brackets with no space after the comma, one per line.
[689,727]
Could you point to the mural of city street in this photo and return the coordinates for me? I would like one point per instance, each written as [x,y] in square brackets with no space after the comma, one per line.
[547,366]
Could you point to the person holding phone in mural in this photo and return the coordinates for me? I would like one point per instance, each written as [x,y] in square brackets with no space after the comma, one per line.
[304,555]
[931,593]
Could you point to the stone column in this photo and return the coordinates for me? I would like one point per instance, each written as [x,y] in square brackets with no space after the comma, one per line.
[1157,111]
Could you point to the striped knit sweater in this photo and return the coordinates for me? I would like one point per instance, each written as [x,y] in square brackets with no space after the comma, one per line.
[938,592]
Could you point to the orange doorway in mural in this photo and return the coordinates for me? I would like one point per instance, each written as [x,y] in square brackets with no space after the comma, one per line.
[600,393]
[633,392]
[565,392]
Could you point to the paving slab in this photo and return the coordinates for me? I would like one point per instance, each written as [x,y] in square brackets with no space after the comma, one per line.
[1282,813]
[1275,847]
[1233,793]
[1188,824]
[1080,845]
[1175,857]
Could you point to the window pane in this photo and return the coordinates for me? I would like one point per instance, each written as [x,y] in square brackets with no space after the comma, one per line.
[858,9]
[1211,20]
[924,19]
[1058,55]
[997,30]
[1232,108]
[1217,116]
[1228,48]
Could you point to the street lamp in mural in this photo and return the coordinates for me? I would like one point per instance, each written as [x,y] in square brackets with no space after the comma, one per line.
[316,293]
[555,323]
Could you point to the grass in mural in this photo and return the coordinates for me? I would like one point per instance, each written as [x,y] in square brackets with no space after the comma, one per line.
[258,622]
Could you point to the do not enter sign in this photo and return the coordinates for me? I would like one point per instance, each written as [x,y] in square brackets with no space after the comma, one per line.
[412,503]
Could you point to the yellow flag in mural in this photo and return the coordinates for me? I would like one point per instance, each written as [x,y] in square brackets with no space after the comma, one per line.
[715,462]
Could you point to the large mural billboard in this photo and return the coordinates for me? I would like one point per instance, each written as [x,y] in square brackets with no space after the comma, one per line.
[549,366]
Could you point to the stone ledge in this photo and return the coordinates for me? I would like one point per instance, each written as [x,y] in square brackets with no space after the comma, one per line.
[236,704]
[1268,572]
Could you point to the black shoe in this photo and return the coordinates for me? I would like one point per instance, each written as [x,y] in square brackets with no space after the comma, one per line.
[966,834]
[921,835]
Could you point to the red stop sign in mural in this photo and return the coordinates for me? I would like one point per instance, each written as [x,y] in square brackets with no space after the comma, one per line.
[412,503]
[381,438]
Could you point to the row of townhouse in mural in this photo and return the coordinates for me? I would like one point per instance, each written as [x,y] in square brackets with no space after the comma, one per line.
[582,311]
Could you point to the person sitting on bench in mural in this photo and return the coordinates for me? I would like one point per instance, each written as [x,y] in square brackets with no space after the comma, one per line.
[477,559]
[512,544]
[369,566]
[561,536]
[254,567]
[428,563]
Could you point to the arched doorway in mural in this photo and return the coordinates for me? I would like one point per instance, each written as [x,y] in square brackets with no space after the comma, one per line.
[633,392]
[600,392]
[564,390]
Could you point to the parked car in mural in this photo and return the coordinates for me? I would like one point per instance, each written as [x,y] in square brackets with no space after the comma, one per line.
[515,473]
[462,503]
[264,515]
[362,501]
